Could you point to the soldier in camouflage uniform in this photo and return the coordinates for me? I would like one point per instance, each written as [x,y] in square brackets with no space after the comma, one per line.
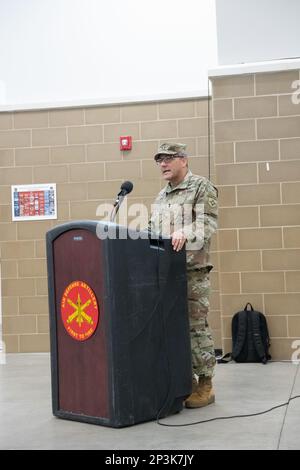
[186,210]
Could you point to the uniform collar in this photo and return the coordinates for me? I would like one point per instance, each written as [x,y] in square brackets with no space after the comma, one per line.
[183,185]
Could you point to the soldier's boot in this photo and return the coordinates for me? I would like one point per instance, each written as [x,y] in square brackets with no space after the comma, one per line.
[194,384]
[203,395]
[194,387]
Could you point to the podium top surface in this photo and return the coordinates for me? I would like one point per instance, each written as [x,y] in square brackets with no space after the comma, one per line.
[103,229]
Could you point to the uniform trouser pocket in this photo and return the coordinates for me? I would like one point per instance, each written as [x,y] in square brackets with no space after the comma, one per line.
[203,355]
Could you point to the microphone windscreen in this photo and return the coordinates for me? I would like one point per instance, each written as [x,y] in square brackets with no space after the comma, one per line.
[127,187]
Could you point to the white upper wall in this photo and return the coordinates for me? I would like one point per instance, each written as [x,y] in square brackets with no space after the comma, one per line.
[59,52]
[257,30]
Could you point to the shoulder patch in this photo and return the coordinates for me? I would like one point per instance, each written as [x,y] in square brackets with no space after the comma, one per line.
[212,202]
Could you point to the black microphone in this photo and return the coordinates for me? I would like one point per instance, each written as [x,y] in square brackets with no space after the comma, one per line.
[126,188]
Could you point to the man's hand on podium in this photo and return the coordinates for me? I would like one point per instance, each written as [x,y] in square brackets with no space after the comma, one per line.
[178,240]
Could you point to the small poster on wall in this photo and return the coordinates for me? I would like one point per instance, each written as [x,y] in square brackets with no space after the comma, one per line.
[34,202]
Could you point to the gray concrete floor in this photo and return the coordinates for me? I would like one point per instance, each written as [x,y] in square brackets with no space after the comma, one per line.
[26,420]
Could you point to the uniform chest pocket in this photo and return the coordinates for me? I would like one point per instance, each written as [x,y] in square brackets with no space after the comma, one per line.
[183,197]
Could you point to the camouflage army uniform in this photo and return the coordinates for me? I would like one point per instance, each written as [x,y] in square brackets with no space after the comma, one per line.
[199,224]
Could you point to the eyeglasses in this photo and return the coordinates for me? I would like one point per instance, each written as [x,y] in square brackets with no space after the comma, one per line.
[165,159]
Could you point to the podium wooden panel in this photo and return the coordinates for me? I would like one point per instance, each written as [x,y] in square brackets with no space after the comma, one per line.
[136,365]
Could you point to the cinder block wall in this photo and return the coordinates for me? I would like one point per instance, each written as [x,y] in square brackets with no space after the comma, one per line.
[257,152]
[79,150]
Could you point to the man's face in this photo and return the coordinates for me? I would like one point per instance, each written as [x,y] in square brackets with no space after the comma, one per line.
[173,169]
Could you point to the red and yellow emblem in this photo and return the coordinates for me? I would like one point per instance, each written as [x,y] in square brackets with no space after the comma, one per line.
[79,310]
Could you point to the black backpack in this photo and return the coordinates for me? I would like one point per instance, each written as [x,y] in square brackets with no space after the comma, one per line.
[250,336]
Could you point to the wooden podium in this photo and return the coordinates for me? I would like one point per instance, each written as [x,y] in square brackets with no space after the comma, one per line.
[119,329]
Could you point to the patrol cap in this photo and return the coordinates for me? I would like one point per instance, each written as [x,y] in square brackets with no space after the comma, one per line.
[175,149]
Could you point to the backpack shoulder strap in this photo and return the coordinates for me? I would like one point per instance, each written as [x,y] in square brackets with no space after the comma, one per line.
[257,338]
[239,330]
[265,335]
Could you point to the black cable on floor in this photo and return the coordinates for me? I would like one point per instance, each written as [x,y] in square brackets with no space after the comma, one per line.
[240,416]
[231,417]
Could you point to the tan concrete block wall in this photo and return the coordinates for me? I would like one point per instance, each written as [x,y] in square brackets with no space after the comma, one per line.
[79,150]
[257,159]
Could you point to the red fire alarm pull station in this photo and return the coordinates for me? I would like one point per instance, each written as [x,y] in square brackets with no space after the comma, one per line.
[126,142]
